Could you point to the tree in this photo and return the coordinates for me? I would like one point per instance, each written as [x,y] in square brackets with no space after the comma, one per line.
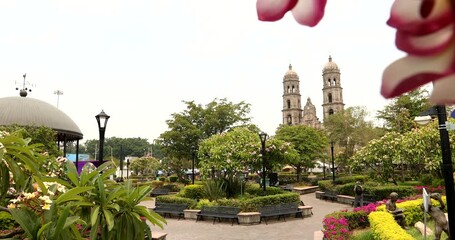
[307,141]
[239,150]
[399,114]
[120,147]
[350,130]
[196,123]
[145,166]
[42,135]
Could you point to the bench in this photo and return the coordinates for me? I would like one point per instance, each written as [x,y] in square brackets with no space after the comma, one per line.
[280,211]
[159,191]
[171,208]
[219,212]
[330,195]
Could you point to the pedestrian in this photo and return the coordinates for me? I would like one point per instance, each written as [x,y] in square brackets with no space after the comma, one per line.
[358,191]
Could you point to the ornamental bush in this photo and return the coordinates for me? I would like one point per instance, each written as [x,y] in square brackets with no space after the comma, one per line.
[6,221]
[192,191]
[336,227]
[384,226]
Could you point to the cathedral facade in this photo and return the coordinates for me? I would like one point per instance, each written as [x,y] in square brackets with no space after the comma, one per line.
[332,92]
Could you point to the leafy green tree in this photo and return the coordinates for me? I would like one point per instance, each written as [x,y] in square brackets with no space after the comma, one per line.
[197,122]
[120,147]
[42,135]
[309,143]
[399,114]
[350,130]
[145,166]
[239,150]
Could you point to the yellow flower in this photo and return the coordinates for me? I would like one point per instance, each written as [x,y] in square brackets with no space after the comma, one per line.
[29,195]
[12,205]
[46,199]
[46,207]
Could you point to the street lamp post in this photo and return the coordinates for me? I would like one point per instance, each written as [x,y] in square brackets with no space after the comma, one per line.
[263,137]
[101,118]
[127,168]
[192,164]
[447,167]
[333,162]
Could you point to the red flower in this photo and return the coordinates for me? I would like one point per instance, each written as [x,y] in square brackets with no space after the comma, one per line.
[306,12]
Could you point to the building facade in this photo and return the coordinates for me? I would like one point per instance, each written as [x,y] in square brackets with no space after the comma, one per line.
[292,112]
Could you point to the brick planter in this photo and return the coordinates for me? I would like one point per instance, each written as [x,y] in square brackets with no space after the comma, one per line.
[249,217]
[191,213]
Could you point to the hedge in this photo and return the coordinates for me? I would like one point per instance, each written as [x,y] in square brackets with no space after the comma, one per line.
[192,191]
[384,226]
[176,199]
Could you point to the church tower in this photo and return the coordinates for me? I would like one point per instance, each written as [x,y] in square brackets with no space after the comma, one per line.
[332,90]
[292,108]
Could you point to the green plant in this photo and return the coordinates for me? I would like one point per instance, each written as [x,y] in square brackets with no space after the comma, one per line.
[214,189]
[6,221]
[192,191]
[173,178]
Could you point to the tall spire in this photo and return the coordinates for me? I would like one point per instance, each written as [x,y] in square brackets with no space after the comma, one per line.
[290,66]
[330,58]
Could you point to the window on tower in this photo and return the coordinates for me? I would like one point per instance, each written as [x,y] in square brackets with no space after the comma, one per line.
[289,89]
[331,112]
[329,82]
[289,119]
[334,82]
[329,96]
[289,103]
[293,89]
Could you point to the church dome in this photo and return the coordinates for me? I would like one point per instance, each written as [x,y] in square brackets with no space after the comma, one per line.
[330,66]
[33,112]
[290,73]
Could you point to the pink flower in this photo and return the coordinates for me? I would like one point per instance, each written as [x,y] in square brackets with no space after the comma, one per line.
[425,31]
[306,12]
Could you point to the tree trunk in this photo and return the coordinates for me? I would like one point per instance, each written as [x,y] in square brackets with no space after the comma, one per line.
[299,172]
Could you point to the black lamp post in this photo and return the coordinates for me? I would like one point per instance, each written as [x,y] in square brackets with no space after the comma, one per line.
[333,162]
[263,137]
[447,167]
[101,118]
[127,168]
[192,163]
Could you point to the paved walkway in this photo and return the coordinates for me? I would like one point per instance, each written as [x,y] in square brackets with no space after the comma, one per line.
[292,229]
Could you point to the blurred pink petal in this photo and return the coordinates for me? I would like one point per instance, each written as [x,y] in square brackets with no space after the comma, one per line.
[309,12]
[425,44]
[306,12]
[273,10]
[407,16]
[443,91]
[412,71]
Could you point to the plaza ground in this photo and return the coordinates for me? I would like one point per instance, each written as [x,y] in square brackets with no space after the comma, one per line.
[294,228]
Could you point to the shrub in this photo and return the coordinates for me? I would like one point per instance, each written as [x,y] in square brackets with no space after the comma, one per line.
[214,189]
[384,226]
[256,190]
[192,191]
[6,221]
[173,178]
[172,187]
[253,204]
[157,183]
[162,179]
[176,199]
[205,202]
[336,227]
[426,179]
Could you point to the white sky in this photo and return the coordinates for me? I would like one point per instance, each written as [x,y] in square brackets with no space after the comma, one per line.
[138,60]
